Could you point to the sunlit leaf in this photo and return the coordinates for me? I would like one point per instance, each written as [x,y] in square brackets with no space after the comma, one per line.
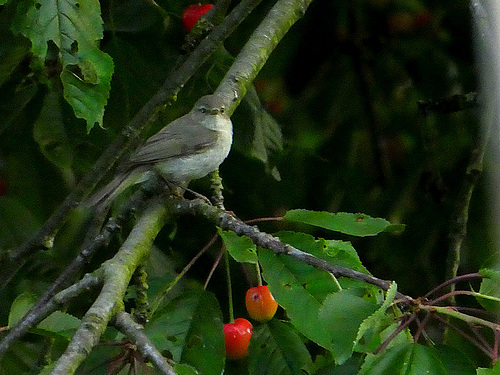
[348,223]
[300,289]
[372,325]
[241,248]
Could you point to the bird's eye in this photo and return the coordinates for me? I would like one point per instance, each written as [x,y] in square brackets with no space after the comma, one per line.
[203,110]
[222,109]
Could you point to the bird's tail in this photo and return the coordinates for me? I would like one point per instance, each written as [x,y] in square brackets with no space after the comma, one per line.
[105,195]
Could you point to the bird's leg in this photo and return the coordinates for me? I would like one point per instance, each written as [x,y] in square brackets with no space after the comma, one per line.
[177,189]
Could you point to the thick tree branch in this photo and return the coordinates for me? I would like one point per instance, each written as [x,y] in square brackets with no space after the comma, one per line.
[257,50]
[116,274]
[44,237]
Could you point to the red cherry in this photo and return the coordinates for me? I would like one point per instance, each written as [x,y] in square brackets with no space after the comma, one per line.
[261,304]
[193,13]
[237,338]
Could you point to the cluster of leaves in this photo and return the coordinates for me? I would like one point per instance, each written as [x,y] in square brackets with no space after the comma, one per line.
[327,325]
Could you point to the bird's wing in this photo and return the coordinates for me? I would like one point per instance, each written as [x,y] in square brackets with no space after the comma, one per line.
[175,140]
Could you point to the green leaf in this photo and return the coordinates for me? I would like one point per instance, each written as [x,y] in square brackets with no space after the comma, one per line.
[353,224]
[183,369]
[276,349]
[267,138]
[314,304]
[12,51]
[88,99]
[490,371]
[241,248]
[300,289]
[60,323]
[75,27]
[341,315]
[372,325]
[455,362]
[20,307]
[50,134]
[414,359]
[190,328]
[340,253]
[489,287]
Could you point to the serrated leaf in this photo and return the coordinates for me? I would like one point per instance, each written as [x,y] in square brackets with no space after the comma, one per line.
[406,359]
[75,27]
[241,248]
[190,328]
[341,315]
[276,349]
[50,134]
[20,307]
[267,138]
[88,99]
[374,323]
[348,223]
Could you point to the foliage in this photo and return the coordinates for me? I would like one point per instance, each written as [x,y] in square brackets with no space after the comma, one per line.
[351,185]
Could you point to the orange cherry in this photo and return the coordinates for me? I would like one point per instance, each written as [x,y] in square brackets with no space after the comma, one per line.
[261,305]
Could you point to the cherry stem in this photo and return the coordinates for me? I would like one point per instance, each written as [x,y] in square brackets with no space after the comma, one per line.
[469,276]
[455,293]
[229,287]
[166,290]
[259,275]
[405,323]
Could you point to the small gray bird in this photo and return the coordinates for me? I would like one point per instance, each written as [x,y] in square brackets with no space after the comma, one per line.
[188,148]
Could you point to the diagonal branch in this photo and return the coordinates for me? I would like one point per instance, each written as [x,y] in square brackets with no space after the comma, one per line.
[88,283]
[116,274]
[44,237]
[229,222]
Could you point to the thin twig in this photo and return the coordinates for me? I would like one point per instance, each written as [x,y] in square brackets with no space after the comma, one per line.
[406,322]
[454,280]
[163,293]
[88,283]
[485,349]
[421,327]
[125,324]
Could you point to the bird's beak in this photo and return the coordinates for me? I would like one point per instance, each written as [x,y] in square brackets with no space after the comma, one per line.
[214,111]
